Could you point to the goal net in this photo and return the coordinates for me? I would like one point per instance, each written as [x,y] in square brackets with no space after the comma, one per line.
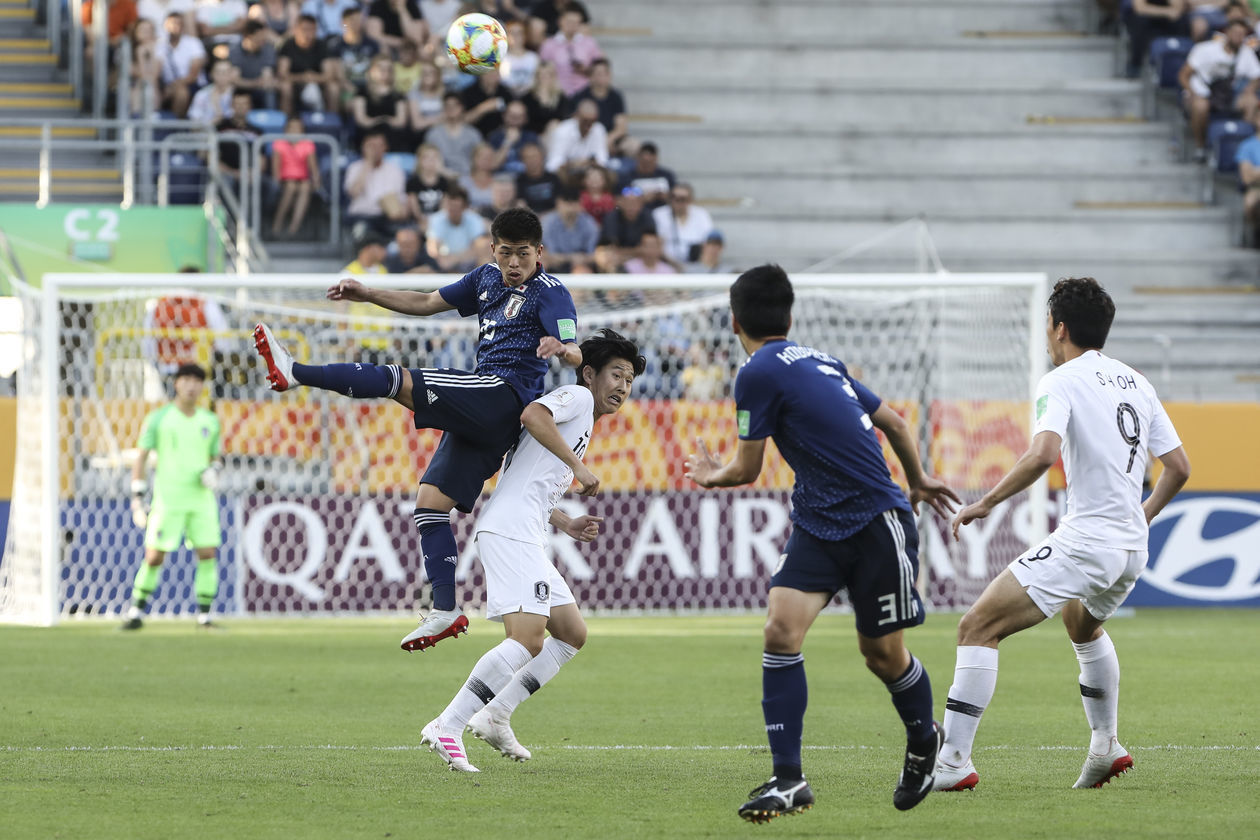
[317,491]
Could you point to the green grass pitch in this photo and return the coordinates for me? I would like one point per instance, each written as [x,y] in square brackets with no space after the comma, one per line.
[309,729]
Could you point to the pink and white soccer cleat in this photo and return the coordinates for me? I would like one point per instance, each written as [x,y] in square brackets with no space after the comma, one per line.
[279,361]
[448,744]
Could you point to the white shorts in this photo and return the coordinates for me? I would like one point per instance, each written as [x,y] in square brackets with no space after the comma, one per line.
[1058,571]
[519,578]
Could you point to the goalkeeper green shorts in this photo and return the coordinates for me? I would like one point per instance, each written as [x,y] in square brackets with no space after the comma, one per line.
[168,527]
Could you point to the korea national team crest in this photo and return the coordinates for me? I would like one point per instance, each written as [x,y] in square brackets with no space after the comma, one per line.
[542,591]
[513,307]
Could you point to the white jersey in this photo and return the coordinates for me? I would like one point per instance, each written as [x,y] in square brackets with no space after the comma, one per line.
[533,479]
[1110,420]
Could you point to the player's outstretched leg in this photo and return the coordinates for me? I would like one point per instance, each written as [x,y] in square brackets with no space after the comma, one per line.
[359,380]
[975,678]
[1100,769]
[776,798]
[436,626]
[448,744]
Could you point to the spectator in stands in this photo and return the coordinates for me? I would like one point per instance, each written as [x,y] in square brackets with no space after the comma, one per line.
[375,186]
[711,258]
[624,227]
[681,225]
[454,137]
[1248,158]
[220,21]
[569,234]
[651,258]
[393,23]
[327,15]
[354,52]
[456,236]
[548,12]
[146,71]
[484,103]
[121,18]
[521,63]
[479,181]
[182,58]
[307,74]
[578,142]
[407,69]
[1219,77]
[427,185]
[612,105]
[278,16]
[705,376]
[535,185]
[1151,19]
[502,197]
[377,107]
[424,100]
[214,101]
[235,125]
[254,58]
[502,10]
[155,11]
[1206,17]
[369,249]
[408,255]
[295,168]
[572,51]
[439,15]
[545,100]
[508,140]
[597,198]
[654,180]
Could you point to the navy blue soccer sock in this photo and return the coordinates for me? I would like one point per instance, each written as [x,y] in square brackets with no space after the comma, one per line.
[437,544]
[357,379]
[912,697]
[784,695]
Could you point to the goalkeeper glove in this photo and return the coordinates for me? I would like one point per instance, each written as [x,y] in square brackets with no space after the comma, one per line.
[210,477]
[139,510]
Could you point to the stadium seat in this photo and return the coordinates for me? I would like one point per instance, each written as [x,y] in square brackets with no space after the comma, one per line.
[1223,138]
[187,179]
[1166,57]
[322,122]
[405,161]
[267,120]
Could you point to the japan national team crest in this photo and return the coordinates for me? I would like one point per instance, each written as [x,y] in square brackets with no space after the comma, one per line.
[514,304]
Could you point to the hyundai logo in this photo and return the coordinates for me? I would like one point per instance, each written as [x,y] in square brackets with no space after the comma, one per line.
[1187,549]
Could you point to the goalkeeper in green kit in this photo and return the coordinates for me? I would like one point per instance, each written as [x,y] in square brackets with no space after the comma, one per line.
[186,440]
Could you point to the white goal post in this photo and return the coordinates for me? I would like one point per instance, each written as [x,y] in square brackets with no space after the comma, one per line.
[318,488]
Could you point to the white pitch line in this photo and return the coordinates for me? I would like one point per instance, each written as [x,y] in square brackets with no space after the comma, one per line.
[597,747]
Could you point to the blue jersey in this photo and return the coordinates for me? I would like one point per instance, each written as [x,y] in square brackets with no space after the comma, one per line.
[513,321]
[820,421]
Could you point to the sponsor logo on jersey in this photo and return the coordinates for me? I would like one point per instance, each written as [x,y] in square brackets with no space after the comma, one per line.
[514,304]
[542,591]
[1209,552]
[567,328]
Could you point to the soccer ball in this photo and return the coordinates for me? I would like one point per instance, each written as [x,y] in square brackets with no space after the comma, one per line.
[477,43]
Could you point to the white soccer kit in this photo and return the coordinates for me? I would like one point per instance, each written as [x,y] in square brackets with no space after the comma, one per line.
[511,532]
[1110,420]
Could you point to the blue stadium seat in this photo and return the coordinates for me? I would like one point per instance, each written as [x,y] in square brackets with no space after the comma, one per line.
[268,120]
[322,122]
[405,161]
[1223,139]
[187,179]
[1166,57]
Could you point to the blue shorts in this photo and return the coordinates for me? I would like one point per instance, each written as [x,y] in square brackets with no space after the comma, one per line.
[480,417]
[878,566]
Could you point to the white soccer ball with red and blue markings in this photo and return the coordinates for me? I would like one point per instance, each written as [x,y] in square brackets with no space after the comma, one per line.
[477,43]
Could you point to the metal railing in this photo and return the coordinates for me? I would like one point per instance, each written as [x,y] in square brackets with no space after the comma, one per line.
[334,182]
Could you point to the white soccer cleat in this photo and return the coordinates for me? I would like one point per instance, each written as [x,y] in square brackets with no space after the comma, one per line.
[436,626]
[279,361]
[448,744]
[950,778]
[497,732]
[1100,769]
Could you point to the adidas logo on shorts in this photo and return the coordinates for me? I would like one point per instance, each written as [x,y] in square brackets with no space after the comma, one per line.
[432,396]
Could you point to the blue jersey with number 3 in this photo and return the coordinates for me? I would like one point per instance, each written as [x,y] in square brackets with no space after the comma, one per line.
[820,420]
[512,322]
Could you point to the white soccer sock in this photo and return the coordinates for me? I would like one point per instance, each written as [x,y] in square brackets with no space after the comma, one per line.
[492,671]
[533,676]
[975,677]
[1100,690]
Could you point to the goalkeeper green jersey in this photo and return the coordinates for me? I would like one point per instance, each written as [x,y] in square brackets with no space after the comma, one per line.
[185,446]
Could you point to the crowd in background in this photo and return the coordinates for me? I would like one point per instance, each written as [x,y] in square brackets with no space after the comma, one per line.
[434,153]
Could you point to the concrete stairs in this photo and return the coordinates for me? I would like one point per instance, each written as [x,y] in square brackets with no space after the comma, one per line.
[810,126]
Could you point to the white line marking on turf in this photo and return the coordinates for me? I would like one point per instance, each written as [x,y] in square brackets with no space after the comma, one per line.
[598,747]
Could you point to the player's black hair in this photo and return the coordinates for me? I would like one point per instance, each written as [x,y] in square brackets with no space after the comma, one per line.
[252,27]
[191,369]
[308,18]
[761,301]
[608,346]
[1085,307]
[518,224]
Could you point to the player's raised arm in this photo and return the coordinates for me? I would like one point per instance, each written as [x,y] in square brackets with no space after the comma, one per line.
[541,425]
[552,347]
[397,300]
[923,487]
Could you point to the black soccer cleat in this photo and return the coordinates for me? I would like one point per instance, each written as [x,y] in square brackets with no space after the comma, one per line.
[132,624]
[775,798]
[919,772]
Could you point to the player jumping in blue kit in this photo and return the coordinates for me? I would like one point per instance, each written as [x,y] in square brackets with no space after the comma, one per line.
[526,318]
[852,530]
